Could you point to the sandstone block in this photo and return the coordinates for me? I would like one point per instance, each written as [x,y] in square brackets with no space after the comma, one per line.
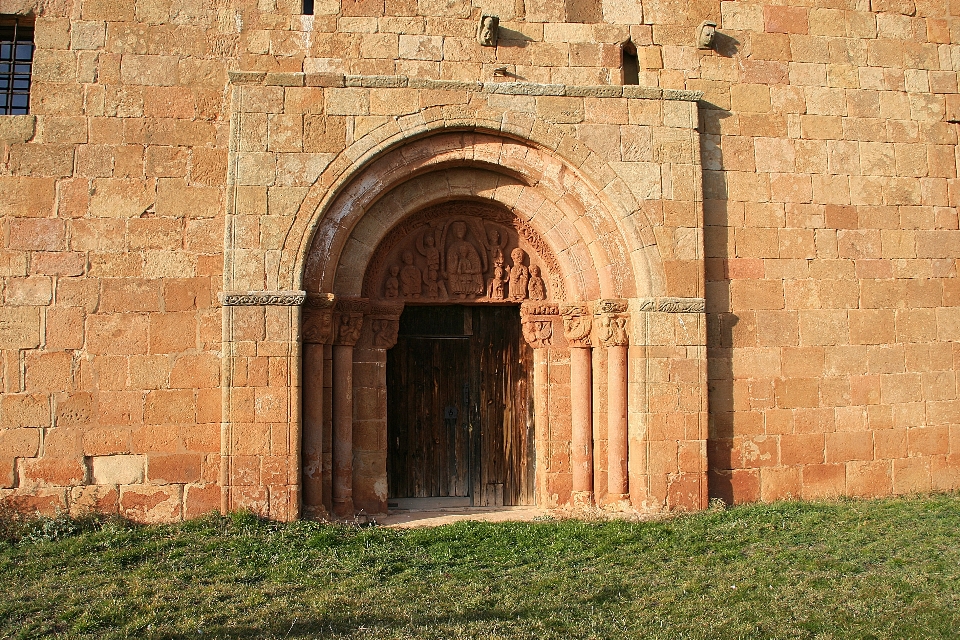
[174,468]
[152,504]
[117,469]
[201,499]
[19,327]
[29,291]
[50,471]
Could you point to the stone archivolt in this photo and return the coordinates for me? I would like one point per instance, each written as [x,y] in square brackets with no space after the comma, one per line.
[463,252]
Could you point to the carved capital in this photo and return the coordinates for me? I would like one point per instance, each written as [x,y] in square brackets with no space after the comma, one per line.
[612,330]
[577,324]
[318,326]
[349,319]
[385,331]
[384,322]
[538,331]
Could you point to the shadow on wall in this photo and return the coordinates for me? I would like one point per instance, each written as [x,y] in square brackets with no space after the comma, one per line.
[720,318]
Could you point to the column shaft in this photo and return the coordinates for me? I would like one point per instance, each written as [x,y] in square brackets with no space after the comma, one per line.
[581,410]
[617,479]
[343,430]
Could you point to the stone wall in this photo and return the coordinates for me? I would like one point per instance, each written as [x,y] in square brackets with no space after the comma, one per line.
[830,232]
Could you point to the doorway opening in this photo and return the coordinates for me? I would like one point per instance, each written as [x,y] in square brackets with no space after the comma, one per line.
[460,428]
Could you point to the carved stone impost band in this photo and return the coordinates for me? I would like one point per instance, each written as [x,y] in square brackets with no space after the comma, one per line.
[611,323]
[671,305]
[263,298]
[349,319]
[537,320]
[384,321]
[577,324]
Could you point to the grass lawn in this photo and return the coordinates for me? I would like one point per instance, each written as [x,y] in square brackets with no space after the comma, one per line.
[849,569]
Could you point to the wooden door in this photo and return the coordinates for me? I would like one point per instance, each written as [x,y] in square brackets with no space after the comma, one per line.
[459,411]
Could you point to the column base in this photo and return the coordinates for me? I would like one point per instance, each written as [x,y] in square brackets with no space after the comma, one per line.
[617,502]
[343,508]
[581,499]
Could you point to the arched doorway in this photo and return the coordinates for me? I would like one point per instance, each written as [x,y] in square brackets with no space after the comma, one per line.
[460,422]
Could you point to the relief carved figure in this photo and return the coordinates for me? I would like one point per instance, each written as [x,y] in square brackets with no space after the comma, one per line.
[427,246]
[410,277]
[391,288]
[495,290]
[436,290]
[464,269]
[537,289]
[519,275]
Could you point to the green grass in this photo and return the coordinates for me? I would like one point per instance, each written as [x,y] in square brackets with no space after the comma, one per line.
[849,569]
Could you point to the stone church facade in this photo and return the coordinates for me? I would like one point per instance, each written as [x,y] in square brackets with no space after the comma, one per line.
[312,258]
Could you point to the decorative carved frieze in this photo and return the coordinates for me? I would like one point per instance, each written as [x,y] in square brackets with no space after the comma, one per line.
[577,324]
[682,305]
[263,298]
[611,306]
[463,251]
[671,305]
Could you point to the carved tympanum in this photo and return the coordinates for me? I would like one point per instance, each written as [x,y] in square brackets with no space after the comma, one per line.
[462,251]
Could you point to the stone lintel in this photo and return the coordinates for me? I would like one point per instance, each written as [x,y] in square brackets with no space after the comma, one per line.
[297,79]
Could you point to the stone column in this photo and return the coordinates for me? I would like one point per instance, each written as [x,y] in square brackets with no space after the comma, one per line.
[349,321]
[381,326]
[317,332]
[537,320]
[613,334]
[577,324]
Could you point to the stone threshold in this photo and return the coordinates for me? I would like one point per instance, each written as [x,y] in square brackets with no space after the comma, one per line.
[300,79]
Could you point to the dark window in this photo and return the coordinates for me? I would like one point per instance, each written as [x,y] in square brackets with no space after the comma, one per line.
[308,7]
[16,60]
[631,64]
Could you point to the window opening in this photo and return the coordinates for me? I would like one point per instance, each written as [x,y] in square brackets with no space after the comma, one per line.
[631,63]
[308,7]
[16,61]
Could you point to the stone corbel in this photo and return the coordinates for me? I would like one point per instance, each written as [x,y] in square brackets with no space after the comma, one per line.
[577,324]
[537,320]
[318,325]
[612,320]
[384,322]
[349,314]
